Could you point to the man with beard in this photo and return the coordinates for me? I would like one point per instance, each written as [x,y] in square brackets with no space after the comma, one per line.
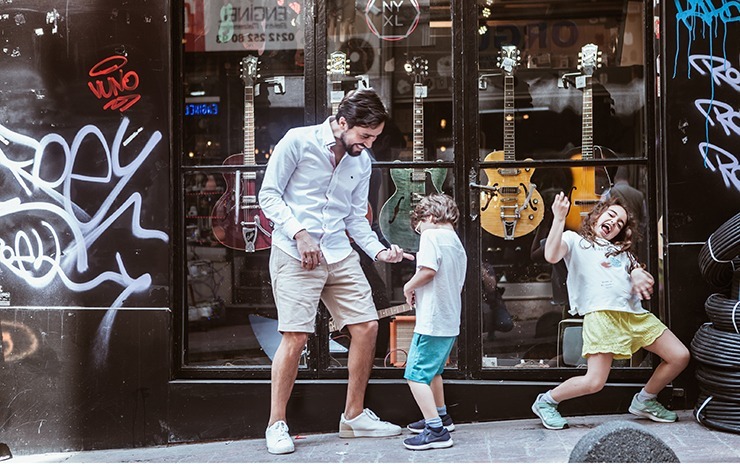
[315,191]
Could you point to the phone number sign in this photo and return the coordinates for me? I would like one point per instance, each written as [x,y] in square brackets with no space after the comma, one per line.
[253,25]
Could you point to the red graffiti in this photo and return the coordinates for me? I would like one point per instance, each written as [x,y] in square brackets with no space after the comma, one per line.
[113,82]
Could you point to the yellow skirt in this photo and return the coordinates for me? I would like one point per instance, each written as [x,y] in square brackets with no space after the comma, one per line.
[619,333]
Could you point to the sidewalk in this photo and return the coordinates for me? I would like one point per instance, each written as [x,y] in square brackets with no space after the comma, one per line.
[506,441]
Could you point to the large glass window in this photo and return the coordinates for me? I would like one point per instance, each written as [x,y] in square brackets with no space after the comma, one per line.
[560,84]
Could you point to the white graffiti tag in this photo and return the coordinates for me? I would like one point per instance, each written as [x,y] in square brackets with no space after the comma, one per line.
[56,242]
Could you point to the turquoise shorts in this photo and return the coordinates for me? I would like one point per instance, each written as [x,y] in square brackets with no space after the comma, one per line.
[427,357]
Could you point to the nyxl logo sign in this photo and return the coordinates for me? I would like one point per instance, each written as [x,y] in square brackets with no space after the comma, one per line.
[392,13]
[393,19]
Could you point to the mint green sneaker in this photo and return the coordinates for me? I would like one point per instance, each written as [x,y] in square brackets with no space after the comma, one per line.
[652,410]
[548,414]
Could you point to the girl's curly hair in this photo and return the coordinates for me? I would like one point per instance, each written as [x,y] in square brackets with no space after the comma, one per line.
[624,240]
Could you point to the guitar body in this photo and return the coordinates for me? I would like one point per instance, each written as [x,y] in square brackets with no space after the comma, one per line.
[395,215]
[588,184]
[237,229]
[516,208]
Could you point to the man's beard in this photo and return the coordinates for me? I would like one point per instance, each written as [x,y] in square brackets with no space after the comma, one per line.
[348,148]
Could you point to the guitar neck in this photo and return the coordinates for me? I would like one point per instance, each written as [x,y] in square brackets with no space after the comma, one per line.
[336,96]
[418,175]
[393,310]
[248,153]
[509,151]
[587,131]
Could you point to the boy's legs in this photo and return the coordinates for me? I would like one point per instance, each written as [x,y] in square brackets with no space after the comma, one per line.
[424,397]
[438,391]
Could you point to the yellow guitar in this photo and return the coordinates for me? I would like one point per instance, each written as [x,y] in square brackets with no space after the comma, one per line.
[511,206]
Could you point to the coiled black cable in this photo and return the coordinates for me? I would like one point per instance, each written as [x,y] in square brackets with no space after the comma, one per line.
[717,256]
[717,413]
[723,312]
[720,383]
[716,348]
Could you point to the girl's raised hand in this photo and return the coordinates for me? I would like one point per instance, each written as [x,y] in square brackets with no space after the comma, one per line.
[560,206]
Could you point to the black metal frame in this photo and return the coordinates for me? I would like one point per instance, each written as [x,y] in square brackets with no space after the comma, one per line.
[465,140]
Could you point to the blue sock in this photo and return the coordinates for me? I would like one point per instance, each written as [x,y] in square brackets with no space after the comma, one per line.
[442,410]
[435,423]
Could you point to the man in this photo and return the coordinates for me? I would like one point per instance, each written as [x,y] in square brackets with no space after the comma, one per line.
[315,191]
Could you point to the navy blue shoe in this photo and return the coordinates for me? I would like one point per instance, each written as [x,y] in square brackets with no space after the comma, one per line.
[428,439]
[418,426]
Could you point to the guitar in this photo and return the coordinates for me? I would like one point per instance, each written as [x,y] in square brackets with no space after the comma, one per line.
[511,206]
[411,183]
[588,181]
[237,219]
[392,311]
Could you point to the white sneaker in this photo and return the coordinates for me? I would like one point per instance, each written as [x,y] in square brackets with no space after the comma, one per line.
[367,424]
[278,440]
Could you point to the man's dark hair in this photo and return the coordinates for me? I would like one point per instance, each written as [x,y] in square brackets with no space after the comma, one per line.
[362,108]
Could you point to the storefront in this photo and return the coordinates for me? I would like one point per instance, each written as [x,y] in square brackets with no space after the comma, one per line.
[135,257]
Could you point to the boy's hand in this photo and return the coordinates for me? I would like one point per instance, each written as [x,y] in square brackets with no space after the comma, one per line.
[410,295]
[560,206]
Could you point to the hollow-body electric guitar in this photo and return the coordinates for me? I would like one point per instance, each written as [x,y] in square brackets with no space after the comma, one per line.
[411,183]
[511,207]
[589,182]
[237,219]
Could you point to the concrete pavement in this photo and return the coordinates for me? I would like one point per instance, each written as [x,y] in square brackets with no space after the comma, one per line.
[504,441]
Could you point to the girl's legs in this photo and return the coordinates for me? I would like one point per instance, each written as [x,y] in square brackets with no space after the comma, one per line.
[599,365]
[675,357]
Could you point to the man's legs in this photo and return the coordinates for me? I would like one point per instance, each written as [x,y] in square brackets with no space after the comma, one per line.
[284,372]
[360,364]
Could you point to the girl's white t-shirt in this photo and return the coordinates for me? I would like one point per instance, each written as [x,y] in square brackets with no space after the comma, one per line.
[597,282]
[438,303]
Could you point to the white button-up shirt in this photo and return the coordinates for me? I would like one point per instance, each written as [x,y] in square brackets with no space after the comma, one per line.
[303,190]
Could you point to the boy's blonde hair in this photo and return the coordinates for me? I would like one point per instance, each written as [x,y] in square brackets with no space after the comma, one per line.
[438,206]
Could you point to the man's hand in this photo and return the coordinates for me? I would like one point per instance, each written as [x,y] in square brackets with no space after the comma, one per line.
[393,254]
[642,283]
[308,249]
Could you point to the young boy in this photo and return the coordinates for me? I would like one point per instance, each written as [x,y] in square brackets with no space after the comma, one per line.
[435,292]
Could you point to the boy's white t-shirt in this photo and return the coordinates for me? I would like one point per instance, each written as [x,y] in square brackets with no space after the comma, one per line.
[597,282]
[438,303]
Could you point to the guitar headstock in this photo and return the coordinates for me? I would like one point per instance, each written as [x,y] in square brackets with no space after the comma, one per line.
[337,66]
[589,58]
[250,70]
[418,67]
[509,58]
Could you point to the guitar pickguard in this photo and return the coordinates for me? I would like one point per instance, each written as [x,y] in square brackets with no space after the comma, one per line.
[515,208]
[395,215]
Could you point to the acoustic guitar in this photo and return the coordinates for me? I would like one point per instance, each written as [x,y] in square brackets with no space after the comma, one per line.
[237,219]
[411,183]
[511,207]
[589,182]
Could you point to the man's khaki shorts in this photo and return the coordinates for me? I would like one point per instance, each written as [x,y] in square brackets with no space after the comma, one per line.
[341,286]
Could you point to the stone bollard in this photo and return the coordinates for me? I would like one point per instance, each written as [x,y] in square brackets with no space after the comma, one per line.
[621,441]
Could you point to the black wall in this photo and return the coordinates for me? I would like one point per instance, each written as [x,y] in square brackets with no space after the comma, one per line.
[85,223]
[702,174]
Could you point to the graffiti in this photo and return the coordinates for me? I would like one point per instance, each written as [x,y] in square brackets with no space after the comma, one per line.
[714,113]
[724,162]
[18,341]
[720,69]
[112,85]
[46,235]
